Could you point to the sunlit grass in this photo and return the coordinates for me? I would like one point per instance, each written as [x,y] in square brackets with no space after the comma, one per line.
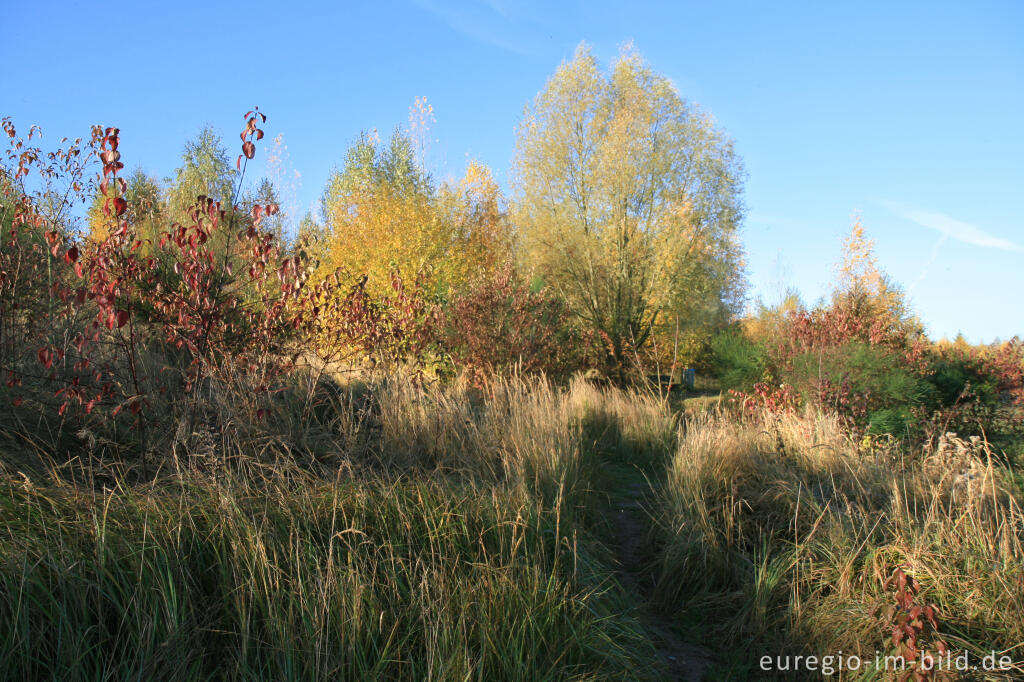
[450,533]
[782,533]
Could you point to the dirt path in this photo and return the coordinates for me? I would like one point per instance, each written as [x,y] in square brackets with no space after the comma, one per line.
[628,528]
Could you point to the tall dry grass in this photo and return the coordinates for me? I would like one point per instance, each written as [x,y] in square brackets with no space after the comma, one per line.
[781,532]
[391,530]
[416,533]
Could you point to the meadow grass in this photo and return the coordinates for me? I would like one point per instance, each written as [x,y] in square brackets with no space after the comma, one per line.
[780,533]
[444,548]
[404,532]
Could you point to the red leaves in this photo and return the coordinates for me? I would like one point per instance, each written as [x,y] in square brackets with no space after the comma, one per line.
[54,240]
[776,400]
[249,133]
[255,111]
[111,159]
[119,186]
[913,627]
[499,323]
[224,324]
[109,155]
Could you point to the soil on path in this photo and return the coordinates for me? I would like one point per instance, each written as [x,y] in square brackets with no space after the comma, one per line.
[629,524]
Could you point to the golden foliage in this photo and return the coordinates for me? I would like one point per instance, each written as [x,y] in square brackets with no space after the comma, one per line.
[858,271]
[628,198]
[860,282]
[384,215]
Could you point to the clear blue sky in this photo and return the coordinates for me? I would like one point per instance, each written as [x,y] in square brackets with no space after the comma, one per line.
[910,113]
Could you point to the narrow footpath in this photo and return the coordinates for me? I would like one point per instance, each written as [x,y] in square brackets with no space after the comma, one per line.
[629,525]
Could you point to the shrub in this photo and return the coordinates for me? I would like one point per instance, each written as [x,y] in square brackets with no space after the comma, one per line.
[977,389]
[500,324]
[739,362]
[869,385]
[217,301]
[397,330]
[851,357]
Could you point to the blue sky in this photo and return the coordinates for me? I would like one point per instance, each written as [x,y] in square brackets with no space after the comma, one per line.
[911,114]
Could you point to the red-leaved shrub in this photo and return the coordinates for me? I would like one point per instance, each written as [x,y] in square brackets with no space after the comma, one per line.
[500,325]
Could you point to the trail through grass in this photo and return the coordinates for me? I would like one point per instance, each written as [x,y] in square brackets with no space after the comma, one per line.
[526,533]
[629,540]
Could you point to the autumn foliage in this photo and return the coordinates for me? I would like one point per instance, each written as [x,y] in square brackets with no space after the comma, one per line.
[146,311]
[385,213]
[862,356]
[143,312]
[500,324]
[217,301]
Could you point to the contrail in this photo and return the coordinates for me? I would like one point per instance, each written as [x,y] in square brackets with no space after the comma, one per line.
[931,261]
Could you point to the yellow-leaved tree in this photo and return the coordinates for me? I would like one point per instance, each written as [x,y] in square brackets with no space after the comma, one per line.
[863,289]
[628,199]
[383,213]
[481,235]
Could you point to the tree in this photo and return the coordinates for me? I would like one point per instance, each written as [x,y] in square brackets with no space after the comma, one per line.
[146,207]
[628,198]
[378,212]
[383,213]
[867,292]
[206,170]
[480,235]
[311,235]
[266,194]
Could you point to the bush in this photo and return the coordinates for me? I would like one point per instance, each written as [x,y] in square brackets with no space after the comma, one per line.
[501,325]
[977,390]
[213,309]
[738,362]
[869,385]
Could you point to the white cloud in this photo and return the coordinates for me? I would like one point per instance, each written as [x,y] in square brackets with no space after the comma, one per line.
[491,22]
[959,230]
